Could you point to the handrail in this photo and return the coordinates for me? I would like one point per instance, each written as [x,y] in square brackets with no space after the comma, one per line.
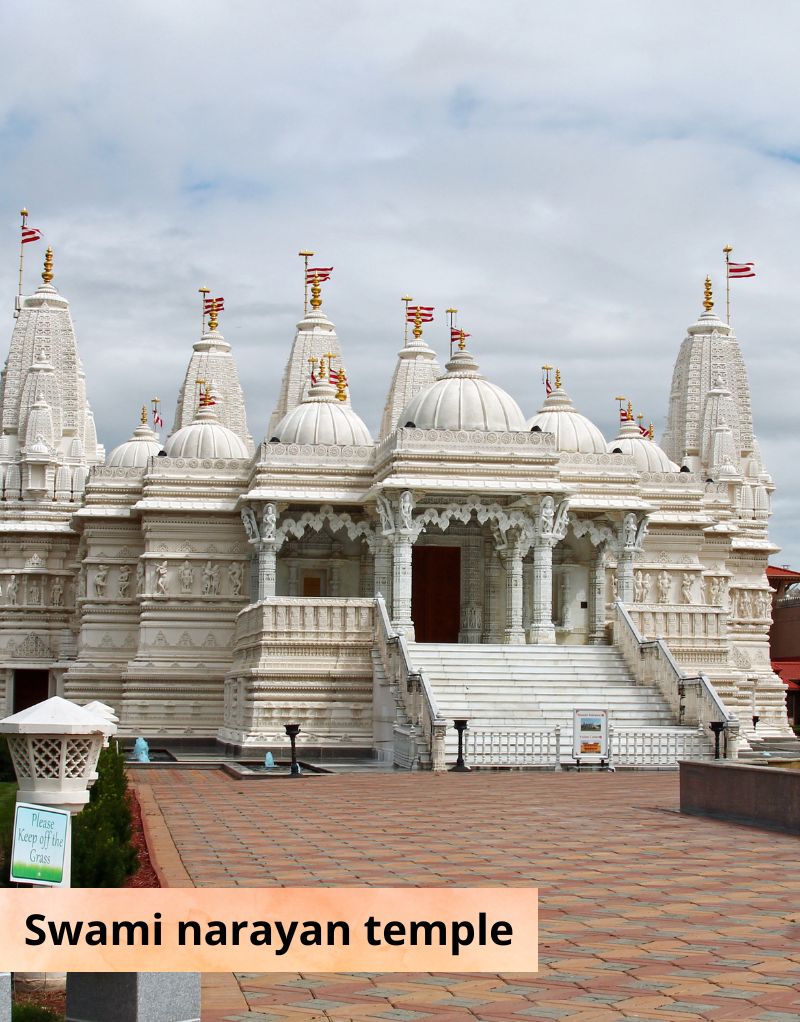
[412,690]
[692,698]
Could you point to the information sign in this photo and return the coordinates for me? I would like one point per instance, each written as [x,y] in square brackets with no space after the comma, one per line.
[590,735]
[41,848]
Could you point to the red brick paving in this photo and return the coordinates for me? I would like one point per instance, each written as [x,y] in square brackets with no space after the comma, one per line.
[645,915]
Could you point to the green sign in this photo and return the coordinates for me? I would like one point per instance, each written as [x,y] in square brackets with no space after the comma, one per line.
[41,845]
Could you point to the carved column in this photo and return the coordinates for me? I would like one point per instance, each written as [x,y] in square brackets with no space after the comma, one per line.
[625,576]
[266,569]
[597,627]
[401,583]
[631,535]
[471,590]
[366,580]
[514,631]
[542,629]
[382,571]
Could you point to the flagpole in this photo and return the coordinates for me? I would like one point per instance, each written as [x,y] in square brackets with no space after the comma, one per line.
[18,303]
[406,299]
[727,250]
[203,292]
[306,255]
[452,313]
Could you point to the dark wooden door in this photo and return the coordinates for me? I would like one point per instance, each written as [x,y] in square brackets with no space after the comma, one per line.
[436,593]
[30,687]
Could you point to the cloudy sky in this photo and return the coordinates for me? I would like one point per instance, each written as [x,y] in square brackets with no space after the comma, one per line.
[563,173]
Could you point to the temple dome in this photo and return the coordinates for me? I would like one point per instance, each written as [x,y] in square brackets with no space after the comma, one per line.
[572,431]
[205,437]
[137,451]
[646,453]
[463,399]
[321,418]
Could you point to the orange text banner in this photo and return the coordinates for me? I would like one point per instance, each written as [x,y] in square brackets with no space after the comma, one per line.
[263,929]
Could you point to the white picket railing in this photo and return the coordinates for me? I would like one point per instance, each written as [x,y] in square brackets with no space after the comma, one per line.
[521,747]
[656,747]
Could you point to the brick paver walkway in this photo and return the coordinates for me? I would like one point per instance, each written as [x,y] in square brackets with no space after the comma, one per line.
[645,915]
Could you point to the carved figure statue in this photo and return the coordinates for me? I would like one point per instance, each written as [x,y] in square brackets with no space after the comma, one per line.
[385,512]
[210,579]
[629,531]
[561,521]
[715,591]
[615,587]
[57,592]
[100,580]
[235,577]
[140,578]
[664,587]
[765,605]
[638,587]
[186,578]
[124,581]
[13,587]
[269,522]
[406,506]
[547,514]
[161,579]
[34,592]
[687,588]
[250,524]
[745,604]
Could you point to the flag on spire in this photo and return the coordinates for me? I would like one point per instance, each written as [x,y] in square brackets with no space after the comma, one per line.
[30,234]
[741,270]
[425,313]
[210,304]
[316,274]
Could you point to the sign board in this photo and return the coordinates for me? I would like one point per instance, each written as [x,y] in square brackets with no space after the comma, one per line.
[41,849]
[590,735]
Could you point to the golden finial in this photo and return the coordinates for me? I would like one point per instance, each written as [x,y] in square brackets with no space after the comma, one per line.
[630,411]
[23,212]
[47,275]
[462,340]
[213,315]
[316,291]
[708,301]
[728,249]
[143,417]
[341,385]
[322,372]
[652,432]
[451,312]
[558,379]
[417,331]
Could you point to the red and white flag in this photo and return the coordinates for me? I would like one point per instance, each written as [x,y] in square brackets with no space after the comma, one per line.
[548,386]
[457,335]
[316,274]
[623,414]
[209,304]
[157,420]
[644,430]
[30,234]
[741,270]
[425,313]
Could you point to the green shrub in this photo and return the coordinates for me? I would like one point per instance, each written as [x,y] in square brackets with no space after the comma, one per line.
[7,772]
[102,853]
[33,1013]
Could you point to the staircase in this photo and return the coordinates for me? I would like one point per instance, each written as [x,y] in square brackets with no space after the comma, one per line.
[505,691]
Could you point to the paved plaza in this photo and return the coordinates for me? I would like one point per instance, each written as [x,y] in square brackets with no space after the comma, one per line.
[645,915]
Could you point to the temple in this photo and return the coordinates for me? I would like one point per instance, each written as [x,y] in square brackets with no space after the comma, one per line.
[476,559]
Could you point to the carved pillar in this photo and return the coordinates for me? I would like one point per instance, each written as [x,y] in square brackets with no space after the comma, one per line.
[266,570]
[542,629]
[366,580]
[597,625]
[253,577]
[401,583]
[514,631]
[382,571]
[491,588]
[471,590]
[625,589]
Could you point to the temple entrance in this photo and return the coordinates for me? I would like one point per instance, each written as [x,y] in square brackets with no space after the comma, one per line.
[30,687]
[436,593]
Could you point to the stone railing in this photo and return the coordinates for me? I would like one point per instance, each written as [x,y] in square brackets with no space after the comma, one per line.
[693,700]
[656,747]
[682,627]
[419,738]
[520,747]
[310,621]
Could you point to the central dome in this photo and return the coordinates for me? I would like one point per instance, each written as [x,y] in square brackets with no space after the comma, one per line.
[646,453]
[573,431]
[205,437]
[137,451]
[322,419]
[463,399]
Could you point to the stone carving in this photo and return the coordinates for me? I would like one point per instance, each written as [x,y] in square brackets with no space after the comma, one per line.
[687,588]
[34,561]
[404,508]
[745,604]
[235,578]
[210,579]
[597,532]
[32,647]
[100,580]
[124,582]
[614,587]
[186,578]
[642,587]
[34,592]
[269,522]
[161,578]
[629,531]
[765,604]
[57,592]
[386,515]
[664,587]
[334,519]
[250,524]
[13,588]
[715,591]
[140,578]
[547,513]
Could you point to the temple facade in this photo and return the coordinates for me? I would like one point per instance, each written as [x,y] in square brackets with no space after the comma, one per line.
[208,588]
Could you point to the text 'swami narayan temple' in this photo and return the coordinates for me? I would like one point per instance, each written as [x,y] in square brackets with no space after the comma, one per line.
[474,560]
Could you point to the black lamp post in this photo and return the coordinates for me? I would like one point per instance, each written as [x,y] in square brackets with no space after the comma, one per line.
[717,727]
[756,719]
[292,731]
[461,727]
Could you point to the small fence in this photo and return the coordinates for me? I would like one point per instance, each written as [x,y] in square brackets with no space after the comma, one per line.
[514,748]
